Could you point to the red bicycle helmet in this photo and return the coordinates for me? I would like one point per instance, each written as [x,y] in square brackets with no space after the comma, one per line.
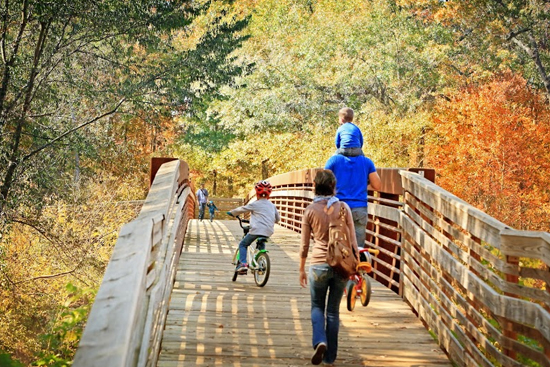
[263,189]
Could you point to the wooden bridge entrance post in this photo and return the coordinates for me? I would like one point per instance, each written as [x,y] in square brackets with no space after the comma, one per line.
[125,324]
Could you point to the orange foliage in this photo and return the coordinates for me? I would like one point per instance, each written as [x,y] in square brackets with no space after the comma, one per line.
[436,11]
[491,147]
[136,141]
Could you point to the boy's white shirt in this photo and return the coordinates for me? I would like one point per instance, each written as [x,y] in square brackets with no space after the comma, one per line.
[263,216]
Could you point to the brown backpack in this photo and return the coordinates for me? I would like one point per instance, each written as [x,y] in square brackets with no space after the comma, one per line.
[340,253]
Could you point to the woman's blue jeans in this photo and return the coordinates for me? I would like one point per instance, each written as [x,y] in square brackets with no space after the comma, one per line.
[324,281]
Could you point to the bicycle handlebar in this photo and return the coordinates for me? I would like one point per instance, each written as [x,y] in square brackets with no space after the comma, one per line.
[241,221]
[370,250]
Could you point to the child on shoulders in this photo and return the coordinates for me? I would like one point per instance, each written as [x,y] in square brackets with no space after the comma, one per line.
[349,139]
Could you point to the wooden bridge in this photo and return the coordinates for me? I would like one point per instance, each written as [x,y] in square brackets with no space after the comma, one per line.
[452,286]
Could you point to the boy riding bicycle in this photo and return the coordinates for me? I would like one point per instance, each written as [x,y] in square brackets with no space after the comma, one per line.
[263,216]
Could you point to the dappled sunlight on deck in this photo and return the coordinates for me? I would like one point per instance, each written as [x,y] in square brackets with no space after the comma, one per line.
[213,321]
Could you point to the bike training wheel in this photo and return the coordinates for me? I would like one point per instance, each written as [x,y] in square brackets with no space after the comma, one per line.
[235,260]
[351,295]
[366,290]
[261,274]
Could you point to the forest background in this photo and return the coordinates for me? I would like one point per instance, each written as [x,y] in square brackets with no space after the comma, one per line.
[243,90]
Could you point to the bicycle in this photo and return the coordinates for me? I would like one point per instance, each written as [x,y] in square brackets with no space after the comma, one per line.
[359,284]
[258,259]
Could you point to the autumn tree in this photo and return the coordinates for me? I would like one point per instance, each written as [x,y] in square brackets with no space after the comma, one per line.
[310,58]
[490,146]
[68,65]
[304,60]
[87,89]
[493,35]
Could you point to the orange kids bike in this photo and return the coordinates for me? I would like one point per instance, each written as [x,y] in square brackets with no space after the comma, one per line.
[359,284]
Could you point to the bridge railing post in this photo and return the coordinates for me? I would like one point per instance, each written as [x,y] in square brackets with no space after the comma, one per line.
[125,324]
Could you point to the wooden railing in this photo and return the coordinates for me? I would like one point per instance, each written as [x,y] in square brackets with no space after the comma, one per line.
[480,287]
[125,325]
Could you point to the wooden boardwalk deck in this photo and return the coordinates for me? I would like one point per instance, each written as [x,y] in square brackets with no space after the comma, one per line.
[213,321]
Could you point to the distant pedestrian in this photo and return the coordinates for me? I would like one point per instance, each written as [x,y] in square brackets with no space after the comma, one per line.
[202,199]
[212,209]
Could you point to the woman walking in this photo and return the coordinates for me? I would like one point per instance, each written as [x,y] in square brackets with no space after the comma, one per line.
[326,286]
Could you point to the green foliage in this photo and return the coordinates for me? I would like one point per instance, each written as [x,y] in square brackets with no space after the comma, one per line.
[88,92]
[81,69]
[309,62]
[7,361]
[493,36]
[301,63]
[61,343]
[69,241]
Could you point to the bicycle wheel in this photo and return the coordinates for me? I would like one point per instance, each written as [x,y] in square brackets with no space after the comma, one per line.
[261,274]
[351,295]
[366,290]
[235,261]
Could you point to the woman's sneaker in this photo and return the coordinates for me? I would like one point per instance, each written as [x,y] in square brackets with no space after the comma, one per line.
[319,353]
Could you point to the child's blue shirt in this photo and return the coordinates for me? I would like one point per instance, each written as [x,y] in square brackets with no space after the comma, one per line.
[348,135]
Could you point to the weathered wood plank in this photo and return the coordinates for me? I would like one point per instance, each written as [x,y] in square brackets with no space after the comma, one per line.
[531,244]
[214,321]
[159,294]
[161,195]
[384,211]
[456,234]
[109,338]
[518,310]
[458,211]
[128,313]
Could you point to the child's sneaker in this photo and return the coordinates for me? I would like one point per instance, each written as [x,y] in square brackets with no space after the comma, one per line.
[242,268]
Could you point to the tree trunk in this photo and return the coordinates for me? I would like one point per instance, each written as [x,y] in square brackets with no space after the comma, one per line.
[14,151]
[533,51]
[8,61]
[215,182]
[265,169]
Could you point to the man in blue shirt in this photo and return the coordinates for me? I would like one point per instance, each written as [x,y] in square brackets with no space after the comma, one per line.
[353,175]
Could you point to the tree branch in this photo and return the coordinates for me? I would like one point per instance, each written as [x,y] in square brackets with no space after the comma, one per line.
[49,276]
[512,34]
[533,51]
[9,63]
[70,131]
[4,31]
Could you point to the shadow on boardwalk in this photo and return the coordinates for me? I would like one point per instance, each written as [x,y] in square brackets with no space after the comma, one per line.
[213,321]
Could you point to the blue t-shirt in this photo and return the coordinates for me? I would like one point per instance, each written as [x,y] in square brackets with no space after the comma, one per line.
[352,178]
[348,135]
